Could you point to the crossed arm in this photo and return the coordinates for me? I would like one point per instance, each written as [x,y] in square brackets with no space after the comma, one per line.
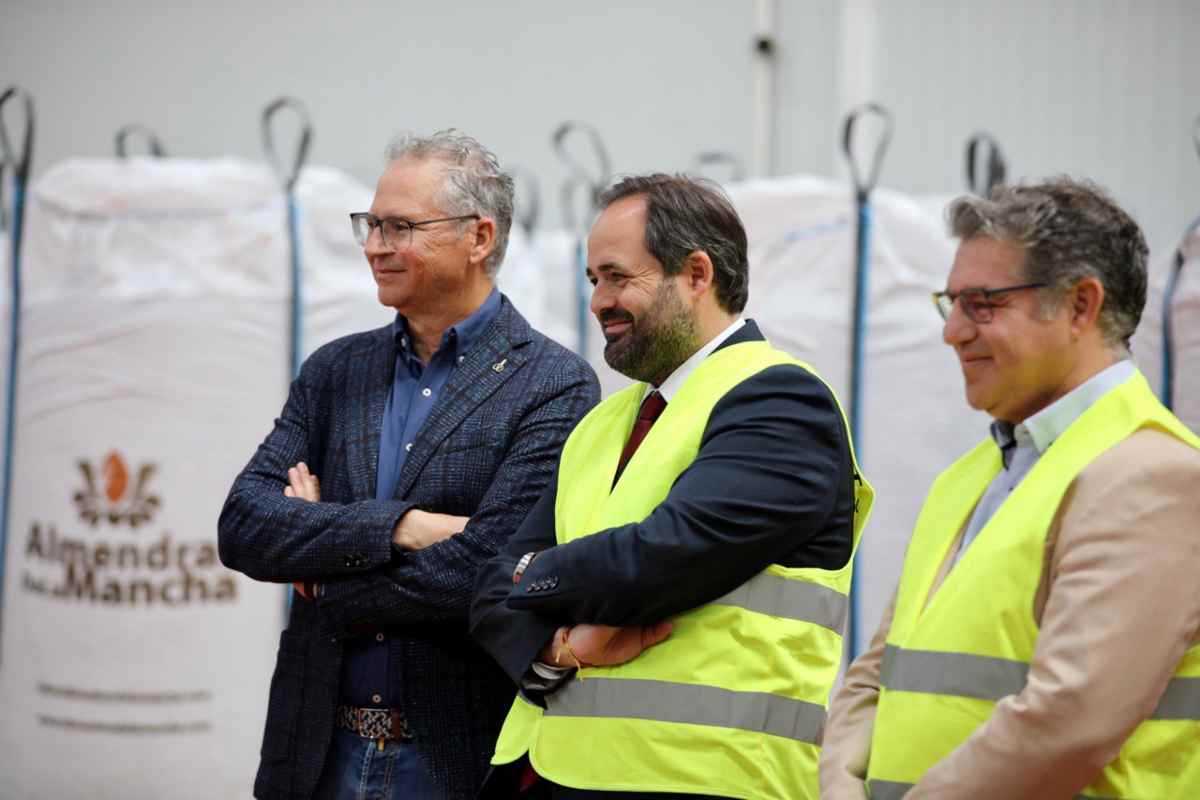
[417,529]
[270,532]
[580,645]
[772,460]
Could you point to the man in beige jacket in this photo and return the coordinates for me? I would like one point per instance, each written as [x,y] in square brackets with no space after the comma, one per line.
[1047,286]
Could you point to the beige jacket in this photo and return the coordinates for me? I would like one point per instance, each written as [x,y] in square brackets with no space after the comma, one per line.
[1118,604]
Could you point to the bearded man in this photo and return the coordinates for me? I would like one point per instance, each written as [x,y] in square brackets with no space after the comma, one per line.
[691,558]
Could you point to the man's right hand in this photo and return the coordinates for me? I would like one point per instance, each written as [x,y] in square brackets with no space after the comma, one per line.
[303,485]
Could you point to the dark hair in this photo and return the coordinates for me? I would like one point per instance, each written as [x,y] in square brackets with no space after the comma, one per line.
[686,214]
[1070,229]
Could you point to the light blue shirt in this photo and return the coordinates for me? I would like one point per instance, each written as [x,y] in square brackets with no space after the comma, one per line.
[1022,445]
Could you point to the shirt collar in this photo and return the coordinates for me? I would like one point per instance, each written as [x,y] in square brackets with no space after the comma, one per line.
[1048,424]
[458,337]
[675,380]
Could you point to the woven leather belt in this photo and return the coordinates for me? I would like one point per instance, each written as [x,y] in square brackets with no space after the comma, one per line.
[381,724]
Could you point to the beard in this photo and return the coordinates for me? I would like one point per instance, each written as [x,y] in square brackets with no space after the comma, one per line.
[655,344]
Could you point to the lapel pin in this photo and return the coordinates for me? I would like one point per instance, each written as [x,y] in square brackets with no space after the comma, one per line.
[499,365]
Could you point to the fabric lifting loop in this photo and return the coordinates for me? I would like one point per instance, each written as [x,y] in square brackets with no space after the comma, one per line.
[287,175]
[18,164]
[591,182]
[1167,390]
[863,186]
[152,142]
[994,170]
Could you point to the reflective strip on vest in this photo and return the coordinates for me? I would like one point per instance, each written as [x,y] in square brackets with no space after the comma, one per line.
[891,790]
[957,674]
[1181,700]
[989,678]
[888,790]
[664,701]
[767,593]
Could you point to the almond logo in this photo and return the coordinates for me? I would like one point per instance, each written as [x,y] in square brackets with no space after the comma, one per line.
[107,493]
[116,477]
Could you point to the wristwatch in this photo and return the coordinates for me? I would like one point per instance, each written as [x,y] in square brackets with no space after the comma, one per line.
[523,565]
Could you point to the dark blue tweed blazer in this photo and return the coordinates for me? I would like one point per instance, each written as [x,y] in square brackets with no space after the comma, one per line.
[486,451]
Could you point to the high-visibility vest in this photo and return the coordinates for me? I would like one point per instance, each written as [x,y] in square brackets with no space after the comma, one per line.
[946,664]
[733,702]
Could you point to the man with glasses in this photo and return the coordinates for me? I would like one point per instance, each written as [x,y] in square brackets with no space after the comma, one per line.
[432,438]
[1044,640]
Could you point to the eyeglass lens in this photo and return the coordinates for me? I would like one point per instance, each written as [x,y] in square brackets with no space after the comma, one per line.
[975,304]
[396,233]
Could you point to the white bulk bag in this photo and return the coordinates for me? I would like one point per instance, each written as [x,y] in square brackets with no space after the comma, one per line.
[915,418]
[523,278]
[153,358]
[1148,343]
[338,293]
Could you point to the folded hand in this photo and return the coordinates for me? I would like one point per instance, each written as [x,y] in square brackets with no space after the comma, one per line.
[606,646]
[302,484]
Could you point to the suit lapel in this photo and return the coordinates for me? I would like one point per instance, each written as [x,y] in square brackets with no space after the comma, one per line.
[374,382]
[497,356]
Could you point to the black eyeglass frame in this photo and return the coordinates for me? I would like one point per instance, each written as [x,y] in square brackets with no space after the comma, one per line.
[944,301]
[376,223]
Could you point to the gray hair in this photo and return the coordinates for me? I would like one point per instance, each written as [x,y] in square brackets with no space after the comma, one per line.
[1070,230]
[473,181]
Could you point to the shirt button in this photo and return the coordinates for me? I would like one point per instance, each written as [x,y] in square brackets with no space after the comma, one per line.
[462,359]
[379,637]
[408,447]
[426,392]
[376,698]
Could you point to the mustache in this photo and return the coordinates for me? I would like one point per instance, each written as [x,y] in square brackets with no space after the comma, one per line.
[614,315]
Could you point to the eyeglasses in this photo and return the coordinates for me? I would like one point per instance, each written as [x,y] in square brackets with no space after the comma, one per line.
[976,303]
[396,231]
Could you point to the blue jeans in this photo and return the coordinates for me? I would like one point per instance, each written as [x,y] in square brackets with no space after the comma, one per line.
[356,769]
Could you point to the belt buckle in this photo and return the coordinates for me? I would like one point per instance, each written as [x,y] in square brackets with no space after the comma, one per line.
[378,724]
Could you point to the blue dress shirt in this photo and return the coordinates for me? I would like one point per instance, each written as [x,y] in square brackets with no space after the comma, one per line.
[367,673]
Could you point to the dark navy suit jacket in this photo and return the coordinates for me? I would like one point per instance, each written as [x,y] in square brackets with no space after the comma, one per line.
[773,482]
[486,451]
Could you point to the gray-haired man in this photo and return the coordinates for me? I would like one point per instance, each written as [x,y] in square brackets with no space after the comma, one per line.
[1044,640]
[432,438]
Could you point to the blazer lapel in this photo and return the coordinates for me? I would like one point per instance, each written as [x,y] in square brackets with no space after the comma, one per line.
[368,390]
[496,358]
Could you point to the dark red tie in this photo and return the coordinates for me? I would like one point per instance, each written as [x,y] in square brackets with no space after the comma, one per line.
[651,408]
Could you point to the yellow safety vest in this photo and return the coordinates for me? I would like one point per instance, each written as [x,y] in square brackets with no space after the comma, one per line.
[733,702]
[946,664]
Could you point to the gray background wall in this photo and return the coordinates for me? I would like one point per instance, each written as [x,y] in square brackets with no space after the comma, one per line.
[1104,88]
